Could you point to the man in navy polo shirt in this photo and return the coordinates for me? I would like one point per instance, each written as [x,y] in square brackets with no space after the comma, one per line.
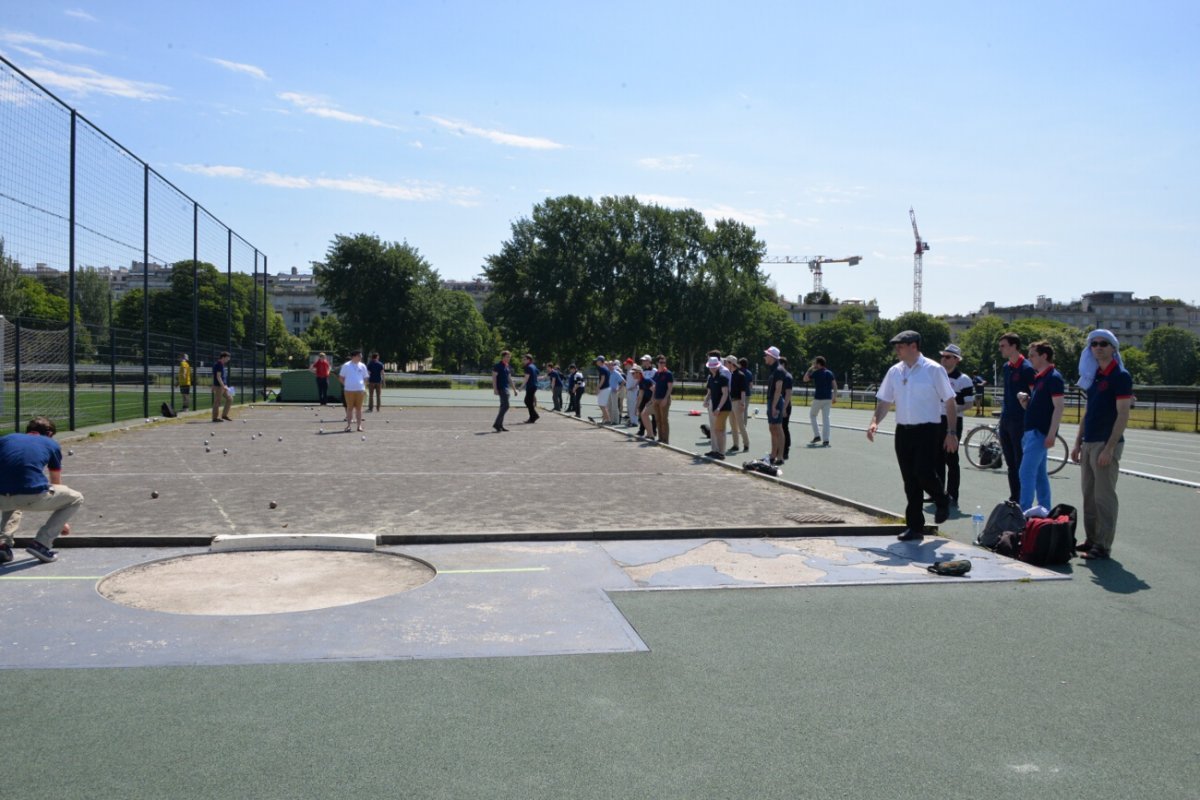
[1016,376]
[531,379]
[1101,439]
[501,383]
[1043,411]
[664,384]
[603,388]
[25,458]
[556,384]
[824,396]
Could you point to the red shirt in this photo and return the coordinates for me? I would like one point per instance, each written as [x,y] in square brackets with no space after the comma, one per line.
[321,367]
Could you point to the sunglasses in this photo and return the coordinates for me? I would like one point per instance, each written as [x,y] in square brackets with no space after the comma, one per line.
[1101,343]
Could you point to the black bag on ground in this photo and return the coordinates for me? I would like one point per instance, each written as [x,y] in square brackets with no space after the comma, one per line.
[1009,544]
[167,411]
[991,456]
[1005,517]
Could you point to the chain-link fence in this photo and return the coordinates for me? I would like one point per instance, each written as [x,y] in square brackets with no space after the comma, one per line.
[109,274]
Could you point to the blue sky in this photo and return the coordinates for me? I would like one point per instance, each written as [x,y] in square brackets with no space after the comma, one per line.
[1048,148]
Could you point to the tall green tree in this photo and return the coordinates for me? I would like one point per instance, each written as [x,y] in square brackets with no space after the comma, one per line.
[580,277]
[324,335]
[1137,363]
[461,336]
[1173,351]
[12,298]
[384,293]
[852,347]
[935,333]
[980,346]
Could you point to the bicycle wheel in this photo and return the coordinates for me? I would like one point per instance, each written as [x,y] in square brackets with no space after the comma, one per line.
[982,446]
[1058,457]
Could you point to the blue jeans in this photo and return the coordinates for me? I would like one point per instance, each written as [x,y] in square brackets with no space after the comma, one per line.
[1034,478]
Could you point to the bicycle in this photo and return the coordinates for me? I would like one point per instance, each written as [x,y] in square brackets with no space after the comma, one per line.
[983,450]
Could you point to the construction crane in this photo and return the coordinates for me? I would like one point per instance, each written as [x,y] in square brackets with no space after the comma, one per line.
[814,265]
[922,246]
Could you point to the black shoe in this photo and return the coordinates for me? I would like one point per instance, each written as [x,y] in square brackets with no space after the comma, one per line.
[824,444]
[815,440]
[911,536]
[777,462]
[719,456]
[497,429]
[942,514]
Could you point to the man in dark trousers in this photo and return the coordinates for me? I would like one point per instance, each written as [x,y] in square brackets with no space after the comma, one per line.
[921,392]
[502,383]
[1016,376]
[25,460]
[964,391]
[531,379]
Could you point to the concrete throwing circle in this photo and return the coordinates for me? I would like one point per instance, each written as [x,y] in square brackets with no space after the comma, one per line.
[263,581]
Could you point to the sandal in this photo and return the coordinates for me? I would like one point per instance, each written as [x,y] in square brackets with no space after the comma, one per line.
[1095,554]
[1084,547]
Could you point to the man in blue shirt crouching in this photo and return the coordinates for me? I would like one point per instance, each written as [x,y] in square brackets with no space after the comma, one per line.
[25,458]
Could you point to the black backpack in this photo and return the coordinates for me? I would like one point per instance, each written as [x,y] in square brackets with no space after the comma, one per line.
[991,456]
[1005,517]
[167,411]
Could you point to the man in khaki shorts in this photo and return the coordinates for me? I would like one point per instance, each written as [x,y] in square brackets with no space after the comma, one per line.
[353,377]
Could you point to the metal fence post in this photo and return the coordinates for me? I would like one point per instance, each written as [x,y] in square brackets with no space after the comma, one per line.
[145,289]
[17,374]
[71,284]
[112,369]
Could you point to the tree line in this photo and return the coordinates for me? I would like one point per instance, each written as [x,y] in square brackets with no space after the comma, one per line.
[577,278]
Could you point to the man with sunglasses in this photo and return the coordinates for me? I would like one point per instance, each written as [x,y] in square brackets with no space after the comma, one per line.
[25,458]
[1100,440]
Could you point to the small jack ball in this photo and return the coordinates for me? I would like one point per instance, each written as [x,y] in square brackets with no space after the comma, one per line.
[273,504]
[70,452]
[154,495]
[224,452]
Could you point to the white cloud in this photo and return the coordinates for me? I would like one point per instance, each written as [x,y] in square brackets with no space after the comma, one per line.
[79,13]
[413,191]
[498,137]
[245,69]
[666,201]
[29,39]
[85,80]
[320,107]
[668,163]
[754,217]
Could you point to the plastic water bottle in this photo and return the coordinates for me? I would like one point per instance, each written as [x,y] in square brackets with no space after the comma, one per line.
[977,522]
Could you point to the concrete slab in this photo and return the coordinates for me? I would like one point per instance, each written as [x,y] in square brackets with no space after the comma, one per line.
[487,600]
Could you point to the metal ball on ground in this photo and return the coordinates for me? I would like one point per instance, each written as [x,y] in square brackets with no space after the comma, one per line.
[154,495]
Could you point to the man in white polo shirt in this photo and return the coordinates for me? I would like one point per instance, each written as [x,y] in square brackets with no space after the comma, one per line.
[920,390]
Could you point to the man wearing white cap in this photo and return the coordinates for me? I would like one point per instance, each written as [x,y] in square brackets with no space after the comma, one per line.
[921,393]
[1100,440]
[964,393]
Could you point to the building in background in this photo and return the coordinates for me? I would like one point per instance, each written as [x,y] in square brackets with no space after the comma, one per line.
[805,314]
[1130,318]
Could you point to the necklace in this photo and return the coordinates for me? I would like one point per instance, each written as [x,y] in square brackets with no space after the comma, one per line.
[904,370]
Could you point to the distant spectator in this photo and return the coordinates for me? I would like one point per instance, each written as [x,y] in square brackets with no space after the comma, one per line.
[320,368]
[220,389]
[374,383]
[185,380]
